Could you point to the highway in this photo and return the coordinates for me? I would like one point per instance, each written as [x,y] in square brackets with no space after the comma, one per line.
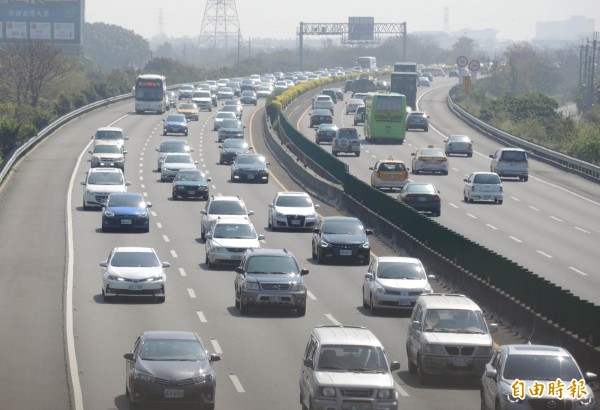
[549,224]
[57,329]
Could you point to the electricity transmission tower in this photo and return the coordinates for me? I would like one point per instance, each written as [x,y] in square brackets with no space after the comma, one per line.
[220,25]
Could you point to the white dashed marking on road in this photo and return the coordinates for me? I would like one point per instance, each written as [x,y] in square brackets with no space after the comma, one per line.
[201,316]
[173,253]
[515,239]
[153,213]
[491,226]
[166,238]
[471,216]
[310,295]
[236,383]
[534,208]
[216,346]
[332,319]
[544,253]
[556,219]
[452,205]
[578,271]
[191,293]
[582,230]
[159,225]
[515,199]
[182,272]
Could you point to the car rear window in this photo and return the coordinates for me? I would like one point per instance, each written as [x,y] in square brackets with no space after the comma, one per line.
[486,179]
[392,166]
[513,156]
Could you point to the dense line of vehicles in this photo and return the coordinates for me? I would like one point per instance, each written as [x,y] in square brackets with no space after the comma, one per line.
[343,367]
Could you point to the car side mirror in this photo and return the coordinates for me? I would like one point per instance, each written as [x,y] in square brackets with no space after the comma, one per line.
[316,230]
[90,152]
[303,272]
[128,183]
[394,366]
[104,264]
[148,204]
[415,325]
[493,327]
[261,237]
[590,377]
[431,277]
[414,154]
[368,232]
[220,146]
[92,137]
[250,213]
[465,180]
[271,205]
[371,168]
[308,363]
[208,235]
[126,138]
[128,356]
[166,265]
[203,212]
[124,152]
[317,206]
[268,163]
[491,156]
[208,179]
[214,357]
[239,270]
[156,149]
[491,373]
[82,183]
[195,162]
[368,276]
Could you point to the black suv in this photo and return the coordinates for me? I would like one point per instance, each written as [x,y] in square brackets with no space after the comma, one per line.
[250,168]
[417,120]
[341,237]
[270,278]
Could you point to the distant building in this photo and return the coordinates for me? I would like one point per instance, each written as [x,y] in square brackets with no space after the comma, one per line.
[575,28]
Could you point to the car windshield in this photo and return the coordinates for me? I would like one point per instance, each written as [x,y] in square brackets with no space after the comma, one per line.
[247,93]
[454,321]
[343,227]
[400,270]
[513,156]
[135,201]
[187,106]
[459,138]
[232,102]
[540,367]
[107,149]
[227,208]
[368,359]
[225,90]
[225,114]
[419,189]
[109,135]
[486,179]
[201,94]
[349,133]
[235,143]
[230,123]
[391,166]
[179,159]
[176,118]
[229,108]
[173,350]
[190,176]
[105,178]
[173,147]
[260,264]
[295,201]
[250,159]
[134,260]
[237,231]
[328,127]
[432,151]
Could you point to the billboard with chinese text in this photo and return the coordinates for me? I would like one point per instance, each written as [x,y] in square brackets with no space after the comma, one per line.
[54,21]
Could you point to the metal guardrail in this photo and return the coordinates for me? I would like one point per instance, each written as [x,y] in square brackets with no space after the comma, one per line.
[581,168]
[42,134]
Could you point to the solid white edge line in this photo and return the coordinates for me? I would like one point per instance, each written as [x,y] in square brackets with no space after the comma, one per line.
[236,383]
[69,331]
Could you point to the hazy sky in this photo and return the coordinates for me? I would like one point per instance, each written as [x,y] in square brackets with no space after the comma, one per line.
[514,19]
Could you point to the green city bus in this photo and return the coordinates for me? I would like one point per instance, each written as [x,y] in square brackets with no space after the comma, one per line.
[385,120]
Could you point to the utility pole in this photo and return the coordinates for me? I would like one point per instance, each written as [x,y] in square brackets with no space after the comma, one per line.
[592,70]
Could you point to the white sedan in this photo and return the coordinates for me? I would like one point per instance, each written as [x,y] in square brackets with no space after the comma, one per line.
[175,162]
[133,271]
[353,104]
[483,186]
[292,210]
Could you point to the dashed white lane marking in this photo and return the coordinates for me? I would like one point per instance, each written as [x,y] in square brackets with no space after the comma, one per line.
[534,208]
[142,186]
[214,186]
[159,225]
[310,295]
[471,216]
[332,319]
[515,239]
[578,271]
[216,346]
[400,390]
[191,293]
[145,194]
[182,272]
[141,178]
[166,238]
[556,219]
[141,164]
[492,227]
[236,383]
[544,254]
[153,213]
[515,199]
[582,230]
[141,170]
[452,205]
[173,253]
[201,316]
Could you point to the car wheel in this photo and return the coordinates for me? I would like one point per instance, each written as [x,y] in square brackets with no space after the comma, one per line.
[208,264]
[471,200]
[104,228]
[500,201]
[444,172]
[266,181]
[174,196]
[301,311]
[85,207]
[469,155]
[313,253]
[242,306]
[335,153]
[412,368]
[438,212]
[146,230]
[105,297]
[465,197]
[415,171]
[236,301]
[525,179]
[159,299]
[426,129]
[422,376]
[319,257]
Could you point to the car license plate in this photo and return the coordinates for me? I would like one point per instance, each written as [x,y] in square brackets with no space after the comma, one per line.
[460,362]
[125,221]
[422,199]
[295,221]
[360,406]
[250,176]
[345,252]
[275,298]
[135,287]
[192,191]
[173,393]
[404,302]
[236,257]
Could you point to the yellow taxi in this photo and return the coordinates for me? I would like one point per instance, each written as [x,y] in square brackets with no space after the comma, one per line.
[190,110]
[430,159]
[389,174]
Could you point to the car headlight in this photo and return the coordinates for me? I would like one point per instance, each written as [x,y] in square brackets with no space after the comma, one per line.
[109,213]
[428,289]
[311,216]
[143,377]
[142,213]
[114,277]
[483,351]
[251,286]
[323,244]
[298,287]
[203,378]
[378,287]
[433,349]
[326,391]
[89,191]
[158,278]
[587,401]
[366,245]
[512,399]
[385,394]
[279,215]
[119,159]
[216,248]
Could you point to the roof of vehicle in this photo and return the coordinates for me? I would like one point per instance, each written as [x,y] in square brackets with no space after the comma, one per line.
[169,334]
[447,301]
[292,193]
[103,169]
[542,350]
[322,111]
[110,129]
[226,198]
[511,149]
[483,173]
[345,335]
[107,142]
[135,194]
[233,220]
[269,252]
[133,249]
[340,219]
[173,140]
[399,259]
